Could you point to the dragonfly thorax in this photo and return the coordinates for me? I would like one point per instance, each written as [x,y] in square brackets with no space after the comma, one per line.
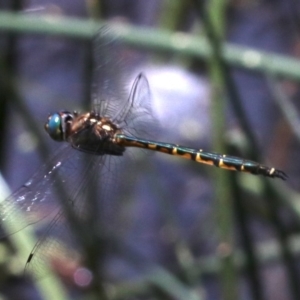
[87,132]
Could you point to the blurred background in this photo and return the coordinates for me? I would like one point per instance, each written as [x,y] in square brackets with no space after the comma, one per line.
[223,77]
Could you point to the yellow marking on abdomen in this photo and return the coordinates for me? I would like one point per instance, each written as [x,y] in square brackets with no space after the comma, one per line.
[163,150]
[228,167]
[221,163]
[152,146]
[186,155]
[207,162]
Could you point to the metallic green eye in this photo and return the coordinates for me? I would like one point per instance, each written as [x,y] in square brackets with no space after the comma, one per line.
[58,125]
[54,127]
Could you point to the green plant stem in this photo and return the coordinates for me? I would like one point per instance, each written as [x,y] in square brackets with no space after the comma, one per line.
[214,23]
[158,40]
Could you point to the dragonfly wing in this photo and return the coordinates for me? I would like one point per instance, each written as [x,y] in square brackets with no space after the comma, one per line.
[60,246]
[109,95]
[39,197]
[136,115]
[108,77]
[54,250]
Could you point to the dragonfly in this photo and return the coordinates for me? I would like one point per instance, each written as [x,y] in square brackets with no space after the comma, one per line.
[117,121]
[91,133]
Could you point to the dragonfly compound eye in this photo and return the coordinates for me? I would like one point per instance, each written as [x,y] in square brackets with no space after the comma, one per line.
[54,127]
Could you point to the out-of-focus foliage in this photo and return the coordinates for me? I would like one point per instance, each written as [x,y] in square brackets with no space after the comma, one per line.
[164,232]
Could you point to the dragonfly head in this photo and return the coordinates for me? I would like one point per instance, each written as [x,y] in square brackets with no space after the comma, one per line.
[58,125]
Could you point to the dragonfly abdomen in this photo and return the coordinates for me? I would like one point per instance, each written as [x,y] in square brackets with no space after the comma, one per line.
[238,164]
[214,159]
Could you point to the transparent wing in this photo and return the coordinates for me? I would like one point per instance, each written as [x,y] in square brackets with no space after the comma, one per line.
[61,245]
[108,75]
[55,250]
[40,196]
[136,117]
[110,99]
